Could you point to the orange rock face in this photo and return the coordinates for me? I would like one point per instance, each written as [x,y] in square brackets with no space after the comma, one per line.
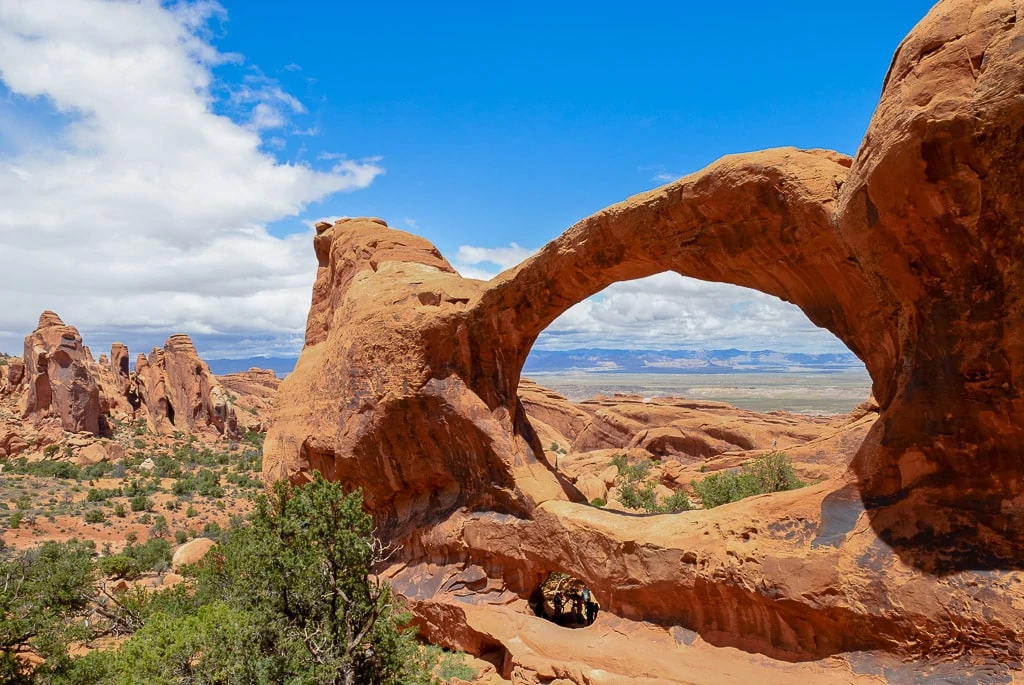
[178,391]
[59,382]
[254,392]
[911,253]
[173,389]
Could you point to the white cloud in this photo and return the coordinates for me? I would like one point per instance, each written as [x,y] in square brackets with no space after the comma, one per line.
[666,311]
[142,206]
[501,257]
[669,311]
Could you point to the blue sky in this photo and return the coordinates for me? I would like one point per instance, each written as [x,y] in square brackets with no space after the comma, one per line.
[160,165]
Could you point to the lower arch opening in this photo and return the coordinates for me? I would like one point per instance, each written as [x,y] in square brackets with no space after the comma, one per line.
[566,601]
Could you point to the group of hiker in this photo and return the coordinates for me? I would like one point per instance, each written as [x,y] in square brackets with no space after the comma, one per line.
[574,607]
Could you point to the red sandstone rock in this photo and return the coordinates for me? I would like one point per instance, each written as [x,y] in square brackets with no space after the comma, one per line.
[254,392]
[911,254]
[59,382]
[12,376]
[177,391]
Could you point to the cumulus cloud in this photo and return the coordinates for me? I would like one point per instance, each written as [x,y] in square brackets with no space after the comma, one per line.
[145,205]
[667,311]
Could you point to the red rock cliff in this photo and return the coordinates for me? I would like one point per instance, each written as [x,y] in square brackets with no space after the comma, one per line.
[911,253]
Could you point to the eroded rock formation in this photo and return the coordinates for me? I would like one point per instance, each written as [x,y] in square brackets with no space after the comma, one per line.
[911,253]
[179,392]
[172,390]
[59,381]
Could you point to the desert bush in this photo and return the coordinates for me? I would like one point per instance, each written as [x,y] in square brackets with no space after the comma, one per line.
[95,516]
[637,492]
[770,473]
[42,591]
[679,501]
[141,503]
[102,494]
[119,566]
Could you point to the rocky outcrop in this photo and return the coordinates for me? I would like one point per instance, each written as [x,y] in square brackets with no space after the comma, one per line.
[254,392]
[177,391]
[910,253]
[58,377]
[12,376]
[172,390]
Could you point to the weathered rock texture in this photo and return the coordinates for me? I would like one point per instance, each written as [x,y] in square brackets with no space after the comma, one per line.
[911,253]
[179,392]
[172,390]
[59,382]
[254,392]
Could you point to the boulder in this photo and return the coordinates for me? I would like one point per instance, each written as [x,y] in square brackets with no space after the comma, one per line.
[191,552]
[11,444]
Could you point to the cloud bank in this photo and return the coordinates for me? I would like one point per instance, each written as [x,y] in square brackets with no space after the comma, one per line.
[665,312]
[141,202]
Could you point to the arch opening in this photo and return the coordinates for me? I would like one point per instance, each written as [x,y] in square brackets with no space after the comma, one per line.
[668,393]
[566,601]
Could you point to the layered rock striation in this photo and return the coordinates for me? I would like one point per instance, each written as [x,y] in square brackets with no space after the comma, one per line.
[911,253]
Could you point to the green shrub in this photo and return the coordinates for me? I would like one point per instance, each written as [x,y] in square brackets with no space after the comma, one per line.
[119,510]
[453,665]
[15,520]
[119,566]
[160,528]
[631,472]
[44,469]
[679,501]
[141,503]
[102,494]
[642,496]
[97,470]
[149,555]
[598,502]
[95,516]
[180,537]
[774,473]
[770,473]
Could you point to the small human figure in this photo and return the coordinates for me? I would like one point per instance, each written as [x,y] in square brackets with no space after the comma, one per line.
[591,612]
[558,604]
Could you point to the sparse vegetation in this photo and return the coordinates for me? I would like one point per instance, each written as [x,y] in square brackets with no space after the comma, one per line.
[637,491]
[233,622]
[771,473]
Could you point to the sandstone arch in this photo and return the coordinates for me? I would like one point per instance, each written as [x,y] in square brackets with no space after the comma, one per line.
[911,253]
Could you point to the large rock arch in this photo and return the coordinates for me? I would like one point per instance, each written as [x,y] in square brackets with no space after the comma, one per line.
[912,253]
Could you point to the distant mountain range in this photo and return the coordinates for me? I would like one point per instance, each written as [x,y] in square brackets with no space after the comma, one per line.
[623,361]
[685,361]
[282,366]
